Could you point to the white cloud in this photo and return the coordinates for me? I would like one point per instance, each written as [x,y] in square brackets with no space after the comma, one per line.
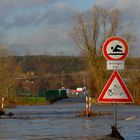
[10,6]
[42,31]
[47,38]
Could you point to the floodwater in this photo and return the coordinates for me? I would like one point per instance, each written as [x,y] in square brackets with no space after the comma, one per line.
[58,122]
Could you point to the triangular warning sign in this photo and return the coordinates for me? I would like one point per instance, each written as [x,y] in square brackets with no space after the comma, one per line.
[115,91]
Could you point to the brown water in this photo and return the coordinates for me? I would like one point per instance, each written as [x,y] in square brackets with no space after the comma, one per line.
[58,122]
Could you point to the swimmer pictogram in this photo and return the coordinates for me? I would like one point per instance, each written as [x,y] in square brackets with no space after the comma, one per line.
[115,48]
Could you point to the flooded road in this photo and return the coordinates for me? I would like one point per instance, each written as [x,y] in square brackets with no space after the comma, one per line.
[58,122]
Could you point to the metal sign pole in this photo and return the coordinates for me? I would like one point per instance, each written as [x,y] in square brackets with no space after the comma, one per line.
[115,115]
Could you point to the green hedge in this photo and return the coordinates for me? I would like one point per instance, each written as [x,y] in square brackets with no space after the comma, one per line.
[54,95]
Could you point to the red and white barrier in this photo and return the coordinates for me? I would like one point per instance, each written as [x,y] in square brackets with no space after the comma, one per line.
[88,105]
[2,103]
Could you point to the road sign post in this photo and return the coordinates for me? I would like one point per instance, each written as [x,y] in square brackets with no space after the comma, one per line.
[115,50]
[115,115]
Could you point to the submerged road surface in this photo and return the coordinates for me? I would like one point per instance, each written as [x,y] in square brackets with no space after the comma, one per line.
[58,122]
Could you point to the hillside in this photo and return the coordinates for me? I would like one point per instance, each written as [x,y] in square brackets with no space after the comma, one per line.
[56,64]
[50,64]
[72,68]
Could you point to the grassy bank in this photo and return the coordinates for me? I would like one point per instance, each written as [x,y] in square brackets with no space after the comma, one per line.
[33,100]
[27,101]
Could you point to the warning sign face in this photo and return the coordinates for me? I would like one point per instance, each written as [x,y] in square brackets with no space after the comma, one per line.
[115,48]
[115,91]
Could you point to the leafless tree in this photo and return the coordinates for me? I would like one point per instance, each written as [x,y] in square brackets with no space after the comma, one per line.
[8,72]
[89,33]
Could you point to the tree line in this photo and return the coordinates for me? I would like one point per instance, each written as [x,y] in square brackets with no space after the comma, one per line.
[47,72]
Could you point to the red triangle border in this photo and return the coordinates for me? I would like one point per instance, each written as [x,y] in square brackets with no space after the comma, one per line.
[101,98]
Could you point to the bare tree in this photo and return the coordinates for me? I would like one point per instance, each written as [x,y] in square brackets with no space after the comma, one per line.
[89,33]
[8,72]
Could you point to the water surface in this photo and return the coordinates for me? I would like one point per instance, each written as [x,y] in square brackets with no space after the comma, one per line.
[58,122]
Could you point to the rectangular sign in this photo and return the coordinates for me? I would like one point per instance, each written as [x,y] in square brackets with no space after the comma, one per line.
[115,65]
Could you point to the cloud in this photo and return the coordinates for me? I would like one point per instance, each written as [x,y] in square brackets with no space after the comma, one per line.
[43,25]
[59,13]
[8,7]
[3,34]
[46,38]
[21,13]
[40,31]
[24,3]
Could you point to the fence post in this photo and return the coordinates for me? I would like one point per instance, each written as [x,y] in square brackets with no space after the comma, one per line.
[87,106]
[90,105]
[2,103]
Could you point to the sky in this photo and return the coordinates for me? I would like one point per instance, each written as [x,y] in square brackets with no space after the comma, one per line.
[42,26]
